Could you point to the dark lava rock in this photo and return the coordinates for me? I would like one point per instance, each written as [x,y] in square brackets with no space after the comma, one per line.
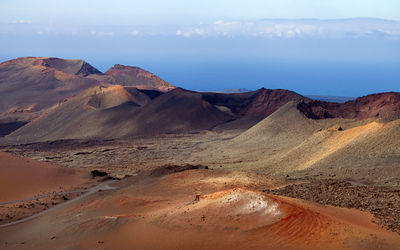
[96,173]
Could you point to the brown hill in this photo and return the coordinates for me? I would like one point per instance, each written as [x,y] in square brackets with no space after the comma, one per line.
[134,77]
[117,112]
[382,105]
[30,85]
[83,115]
[250,107]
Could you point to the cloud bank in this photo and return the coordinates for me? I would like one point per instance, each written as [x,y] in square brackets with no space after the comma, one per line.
[297,28]
[267,28]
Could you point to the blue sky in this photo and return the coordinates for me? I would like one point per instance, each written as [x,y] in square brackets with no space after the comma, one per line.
[187,11]
[213,45]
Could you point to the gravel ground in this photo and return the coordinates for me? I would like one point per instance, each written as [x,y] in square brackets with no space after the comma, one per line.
[382,202]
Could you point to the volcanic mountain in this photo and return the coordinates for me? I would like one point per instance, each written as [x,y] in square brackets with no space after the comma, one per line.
[132,76]
[29,86]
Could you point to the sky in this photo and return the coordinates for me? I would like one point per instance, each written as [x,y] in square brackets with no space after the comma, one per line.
[214,45]
[178,11]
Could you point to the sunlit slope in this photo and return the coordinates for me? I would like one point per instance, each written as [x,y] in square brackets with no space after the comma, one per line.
[287,142]
[370,152]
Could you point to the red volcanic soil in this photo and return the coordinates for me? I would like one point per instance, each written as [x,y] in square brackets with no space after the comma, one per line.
[198,209]
[119,69]
[22,178]
[382,105]
[135,76]
[201,209]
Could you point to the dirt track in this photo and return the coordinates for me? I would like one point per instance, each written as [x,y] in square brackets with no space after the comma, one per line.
[100,187]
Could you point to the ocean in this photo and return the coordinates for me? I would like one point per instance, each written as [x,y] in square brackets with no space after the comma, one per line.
[307,78]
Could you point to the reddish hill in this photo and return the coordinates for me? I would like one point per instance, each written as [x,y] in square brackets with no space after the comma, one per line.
[133,76]
[262,102]
[382,105]
[30,85]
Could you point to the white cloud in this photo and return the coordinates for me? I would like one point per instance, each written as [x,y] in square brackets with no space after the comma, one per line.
[134,33]
[21,22]
[268,28]
[102,33]
[191,32]
[298,28]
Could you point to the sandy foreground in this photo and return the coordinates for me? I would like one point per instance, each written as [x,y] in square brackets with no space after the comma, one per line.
[197,209]
[28,186]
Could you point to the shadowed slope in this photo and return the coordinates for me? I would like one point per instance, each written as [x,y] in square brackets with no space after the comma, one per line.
[262,102]
[114,112]
[81,116]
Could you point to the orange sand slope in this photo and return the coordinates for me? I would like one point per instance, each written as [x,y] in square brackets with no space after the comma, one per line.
[22,178]
[164,213]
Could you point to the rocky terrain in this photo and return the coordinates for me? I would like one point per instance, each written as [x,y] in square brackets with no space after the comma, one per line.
[382,202]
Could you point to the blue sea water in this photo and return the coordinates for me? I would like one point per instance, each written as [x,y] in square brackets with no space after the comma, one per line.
[307,78]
